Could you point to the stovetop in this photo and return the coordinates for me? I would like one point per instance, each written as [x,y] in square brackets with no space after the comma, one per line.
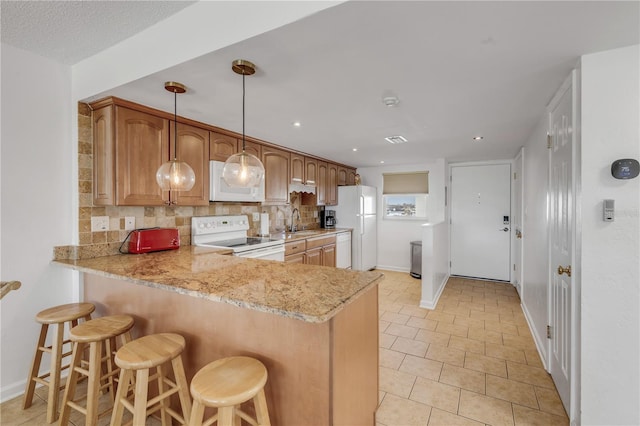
[227,232]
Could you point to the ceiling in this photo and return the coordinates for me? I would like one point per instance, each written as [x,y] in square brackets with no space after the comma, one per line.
[459,69]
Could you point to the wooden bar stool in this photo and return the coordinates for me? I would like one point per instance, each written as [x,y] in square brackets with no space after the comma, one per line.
[100,335]
[225,384]
[57,317]
[140,356]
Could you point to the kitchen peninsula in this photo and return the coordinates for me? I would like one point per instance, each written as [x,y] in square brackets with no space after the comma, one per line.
[315,328]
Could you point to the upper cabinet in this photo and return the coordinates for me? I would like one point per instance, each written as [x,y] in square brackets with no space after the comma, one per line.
[130,146]
[252,148]
[221,146]
[351,176]
[321,186]
[310,171]
[297,168]
[332,185]
[342,175]
[276,175]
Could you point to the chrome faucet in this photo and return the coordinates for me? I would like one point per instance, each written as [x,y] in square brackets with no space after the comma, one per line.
[294,227]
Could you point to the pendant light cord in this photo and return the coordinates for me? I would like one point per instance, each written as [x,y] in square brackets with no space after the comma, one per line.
[243,140]
[175,128]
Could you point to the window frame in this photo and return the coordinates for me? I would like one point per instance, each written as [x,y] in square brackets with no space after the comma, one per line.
[385,216]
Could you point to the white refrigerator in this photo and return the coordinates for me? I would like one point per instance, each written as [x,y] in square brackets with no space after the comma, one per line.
[357,209]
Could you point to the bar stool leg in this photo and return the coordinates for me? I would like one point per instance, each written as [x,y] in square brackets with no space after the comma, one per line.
[93,388]
[54,374]
[262,412]
[123,389]
[197,414]
[70,389]
[181,381]
[35,368]
[163,402]
[140,404]
[225,416]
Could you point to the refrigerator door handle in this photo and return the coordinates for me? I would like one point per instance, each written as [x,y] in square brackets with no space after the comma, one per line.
[362,215]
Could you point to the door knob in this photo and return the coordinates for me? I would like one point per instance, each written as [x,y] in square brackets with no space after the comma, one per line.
[518,234]
[505,229]
[566,270]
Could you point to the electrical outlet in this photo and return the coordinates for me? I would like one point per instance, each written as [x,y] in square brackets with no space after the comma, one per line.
[256,216]
[129,223]
[99,223]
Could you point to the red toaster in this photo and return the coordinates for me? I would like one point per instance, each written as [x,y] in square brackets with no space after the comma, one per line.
[153,239]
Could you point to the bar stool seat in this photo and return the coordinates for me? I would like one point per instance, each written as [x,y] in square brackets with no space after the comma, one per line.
[98,334]
[140,356]
[225,384]
[56,316]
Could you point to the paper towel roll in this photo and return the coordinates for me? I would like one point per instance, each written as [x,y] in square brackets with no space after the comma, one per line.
[264,224]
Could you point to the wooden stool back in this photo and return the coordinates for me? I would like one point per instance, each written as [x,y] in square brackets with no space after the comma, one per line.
[56,316]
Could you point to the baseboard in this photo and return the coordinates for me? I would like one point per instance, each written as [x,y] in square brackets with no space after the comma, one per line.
[432,304]
[393,268]
[13,390]
[537,339]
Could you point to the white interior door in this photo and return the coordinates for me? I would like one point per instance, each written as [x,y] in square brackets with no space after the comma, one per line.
[561,241]
[480,221]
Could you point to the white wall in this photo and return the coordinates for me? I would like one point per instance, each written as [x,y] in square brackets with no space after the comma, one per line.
[36,191]
[535,268]
[610,251]
[395,236]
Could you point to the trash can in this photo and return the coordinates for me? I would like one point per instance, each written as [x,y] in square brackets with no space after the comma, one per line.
[416,259]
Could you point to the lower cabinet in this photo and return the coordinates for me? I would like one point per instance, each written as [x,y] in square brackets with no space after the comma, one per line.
[319,251]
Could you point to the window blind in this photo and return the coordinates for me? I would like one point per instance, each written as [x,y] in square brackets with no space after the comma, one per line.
[405,183]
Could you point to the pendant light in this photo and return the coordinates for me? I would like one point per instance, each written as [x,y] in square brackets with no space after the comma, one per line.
[243,170]
[175,175]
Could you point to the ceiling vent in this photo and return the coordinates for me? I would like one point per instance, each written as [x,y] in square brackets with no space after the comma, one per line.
[396,139]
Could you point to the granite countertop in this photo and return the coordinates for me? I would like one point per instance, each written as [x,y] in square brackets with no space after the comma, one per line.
[305,292]
[308,233]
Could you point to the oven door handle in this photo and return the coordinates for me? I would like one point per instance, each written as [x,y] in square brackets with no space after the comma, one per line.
[261,252]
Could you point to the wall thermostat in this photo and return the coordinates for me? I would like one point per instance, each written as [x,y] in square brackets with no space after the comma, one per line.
[625,168]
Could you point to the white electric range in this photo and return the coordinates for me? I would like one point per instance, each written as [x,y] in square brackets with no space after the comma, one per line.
[231,232]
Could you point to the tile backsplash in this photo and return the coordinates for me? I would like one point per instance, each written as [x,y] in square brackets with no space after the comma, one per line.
[105,243]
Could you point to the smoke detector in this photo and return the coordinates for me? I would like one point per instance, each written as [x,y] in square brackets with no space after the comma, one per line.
[396,139]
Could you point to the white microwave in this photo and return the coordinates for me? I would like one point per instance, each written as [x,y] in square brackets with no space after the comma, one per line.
[220,191]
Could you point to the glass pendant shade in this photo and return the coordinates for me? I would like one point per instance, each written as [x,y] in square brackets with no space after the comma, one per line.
[175,175]
[243,171]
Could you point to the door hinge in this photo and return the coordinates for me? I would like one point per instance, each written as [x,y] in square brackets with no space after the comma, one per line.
[449,264]
[549,141]
[514,266]
[514,176]
[548,332]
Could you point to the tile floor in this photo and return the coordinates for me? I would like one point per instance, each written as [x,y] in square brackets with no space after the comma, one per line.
[471,361]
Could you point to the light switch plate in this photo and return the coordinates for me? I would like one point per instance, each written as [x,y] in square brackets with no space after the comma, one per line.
[99,223]
[129,223]
[256,216]
[315,213]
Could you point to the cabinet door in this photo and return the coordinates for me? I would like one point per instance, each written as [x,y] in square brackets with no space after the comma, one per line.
[332,185]
[295,258]
[252,148]
[141,148]
[351,176]
[193,148]
[310,171]
[297,168]
[321,185]
[342,176]
[221,146]
[314,256]
[329,255]
[276,175]
[103,157]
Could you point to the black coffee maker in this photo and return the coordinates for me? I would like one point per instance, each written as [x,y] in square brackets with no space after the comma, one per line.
[328,219]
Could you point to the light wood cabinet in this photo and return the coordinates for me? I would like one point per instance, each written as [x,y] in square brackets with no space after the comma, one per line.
[342,176]
[297,168]
[130,146]
[252,148]
[321,185]
[276,167]
[332,185]
[329,255]
[295,258]
[351,176]
[310,171]
[320,250]
[221,146]
[193,148]
[314,257]
[141,148]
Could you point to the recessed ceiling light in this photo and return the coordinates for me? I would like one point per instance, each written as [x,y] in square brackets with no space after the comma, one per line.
[396,139]
[354,149]
[297,124]
[381,161]
[390,101]
[477,138]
